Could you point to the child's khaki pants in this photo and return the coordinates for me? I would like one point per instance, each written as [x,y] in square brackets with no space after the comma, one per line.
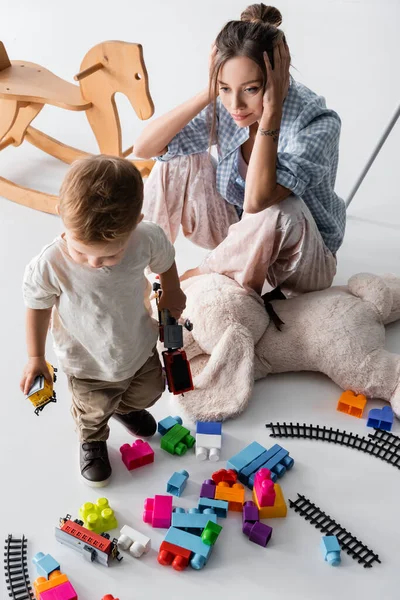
[94,402]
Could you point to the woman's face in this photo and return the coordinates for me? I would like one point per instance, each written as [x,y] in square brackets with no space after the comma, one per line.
[240,85]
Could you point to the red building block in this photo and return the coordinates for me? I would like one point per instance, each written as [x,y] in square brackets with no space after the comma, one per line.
[228,475]
[177,557]
[264,487]
[137,455]
[158,511]
[109,597]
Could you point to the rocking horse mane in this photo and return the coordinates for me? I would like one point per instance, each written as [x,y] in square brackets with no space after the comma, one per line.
[4,60]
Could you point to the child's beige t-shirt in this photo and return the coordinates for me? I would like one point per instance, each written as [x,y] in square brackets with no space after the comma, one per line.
[101,323]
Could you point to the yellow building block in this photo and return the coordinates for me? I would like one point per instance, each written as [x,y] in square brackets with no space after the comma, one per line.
[41,584]
[233,495]
[352,404]
[98,517]
[279,509]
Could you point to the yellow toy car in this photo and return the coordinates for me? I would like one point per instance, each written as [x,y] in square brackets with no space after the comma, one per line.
[42,392]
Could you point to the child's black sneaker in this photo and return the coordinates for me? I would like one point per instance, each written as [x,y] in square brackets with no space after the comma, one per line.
[138,422]
[95,466]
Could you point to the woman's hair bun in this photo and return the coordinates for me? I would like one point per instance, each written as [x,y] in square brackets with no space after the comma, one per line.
[260,13]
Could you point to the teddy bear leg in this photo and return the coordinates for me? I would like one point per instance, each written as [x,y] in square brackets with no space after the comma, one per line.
[393,282]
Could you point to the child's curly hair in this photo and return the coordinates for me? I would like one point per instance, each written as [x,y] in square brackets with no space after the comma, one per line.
[101,198]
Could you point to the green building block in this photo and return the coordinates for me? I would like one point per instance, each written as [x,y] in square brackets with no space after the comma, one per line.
[98,517]
[177,440]
[211,533]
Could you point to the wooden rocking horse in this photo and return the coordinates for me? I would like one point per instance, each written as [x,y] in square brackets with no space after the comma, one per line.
[25,88]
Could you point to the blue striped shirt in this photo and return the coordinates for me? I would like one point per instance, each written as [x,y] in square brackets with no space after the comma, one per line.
[307,157]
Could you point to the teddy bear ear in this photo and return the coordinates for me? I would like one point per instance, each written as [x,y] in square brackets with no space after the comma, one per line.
[223,388]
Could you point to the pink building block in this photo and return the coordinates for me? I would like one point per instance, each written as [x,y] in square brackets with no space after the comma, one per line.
[65,591]
[158,511]
[264,487]
[137,455]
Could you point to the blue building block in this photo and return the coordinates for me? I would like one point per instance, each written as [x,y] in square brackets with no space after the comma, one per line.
[45,564]
[245,456]
[257,464]
[201,551]
[210,428]
[177,483]
[166,424]
[380,418]
[331,549]
[220,506]
[193,521]
[278,465]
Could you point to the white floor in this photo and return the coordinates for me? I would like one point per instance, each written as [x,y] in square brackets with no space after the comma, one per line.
[39,456]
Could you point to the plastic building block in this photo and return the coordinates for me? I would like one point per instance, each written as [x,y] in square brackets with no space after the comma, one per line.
[208,446]
[228,475]
[177,440]
[233,495]
[183,539]
[257,532]
[158,511]
[137,455]
[278,510]
[98,517]
[331,549]
[209,428]
[177,483]
[278,464]
[45,564]
[65,591]
[211,533]
[220,506]
[41,584]
[264,487]
[352,404]
[380,418]
[166,424]
[208,489]
[250,513]
[133,541]
[171,554]
[243,458]
[193,521]
[109,597]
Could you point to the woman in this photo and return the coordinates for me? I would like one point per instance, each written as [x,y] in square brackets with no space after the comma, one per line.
[267,210]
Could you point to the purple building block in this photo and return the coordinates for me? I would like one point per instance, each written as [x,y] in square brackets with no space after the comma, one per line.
[208,489]
[259,533]
[250,513]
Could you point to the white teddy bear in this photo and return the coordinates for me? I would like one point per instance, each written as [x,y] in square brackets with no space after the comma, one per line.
[339,331]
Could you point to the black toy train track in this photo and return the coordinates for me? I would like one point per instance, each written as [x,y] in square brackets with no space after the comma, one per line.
[381,444]
[348,542]
[16,569]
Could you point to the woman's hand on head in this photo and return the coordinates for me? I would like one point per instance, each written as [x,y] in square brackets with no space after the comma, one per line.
[278,79]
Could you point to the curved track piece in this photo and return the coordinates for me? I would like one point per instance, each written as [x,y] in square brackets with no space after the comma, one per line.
[16,569]
[389,451]
[348,542]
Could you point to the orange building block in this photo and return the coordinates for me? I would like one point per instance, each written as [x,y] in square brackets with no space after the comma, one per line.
[279,509]
[233,495]
[41,584]
[352,404]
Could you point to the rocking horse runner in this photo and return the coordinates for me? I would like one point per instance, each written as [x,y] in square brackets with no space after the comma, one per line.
[25,88]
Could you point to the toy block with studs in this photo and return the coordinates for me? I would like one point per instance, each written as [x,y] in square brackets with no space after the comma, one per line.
[137,455]
[257,532]
[250,513]
[234,495]
[219,506]
[171,554]
[183,539]
[64,591]
[210,533]
[279,509]
[168,423]
[380,418]
[193,521]
[254,457]
[264,487]
[158,511]
[331,549]
[352,404]
[208,488]
[228,475]
[177,483]
[176,439]
[133,541]
[98,517]
[208,440]
[45,564]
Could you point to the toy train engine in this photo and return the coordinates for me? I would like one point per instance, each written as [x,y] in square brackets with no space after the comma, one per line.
[176,364]
[42,391]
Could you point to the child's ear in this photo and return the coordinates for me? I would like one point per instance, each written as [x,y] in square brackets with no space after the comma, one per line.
[141,217]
